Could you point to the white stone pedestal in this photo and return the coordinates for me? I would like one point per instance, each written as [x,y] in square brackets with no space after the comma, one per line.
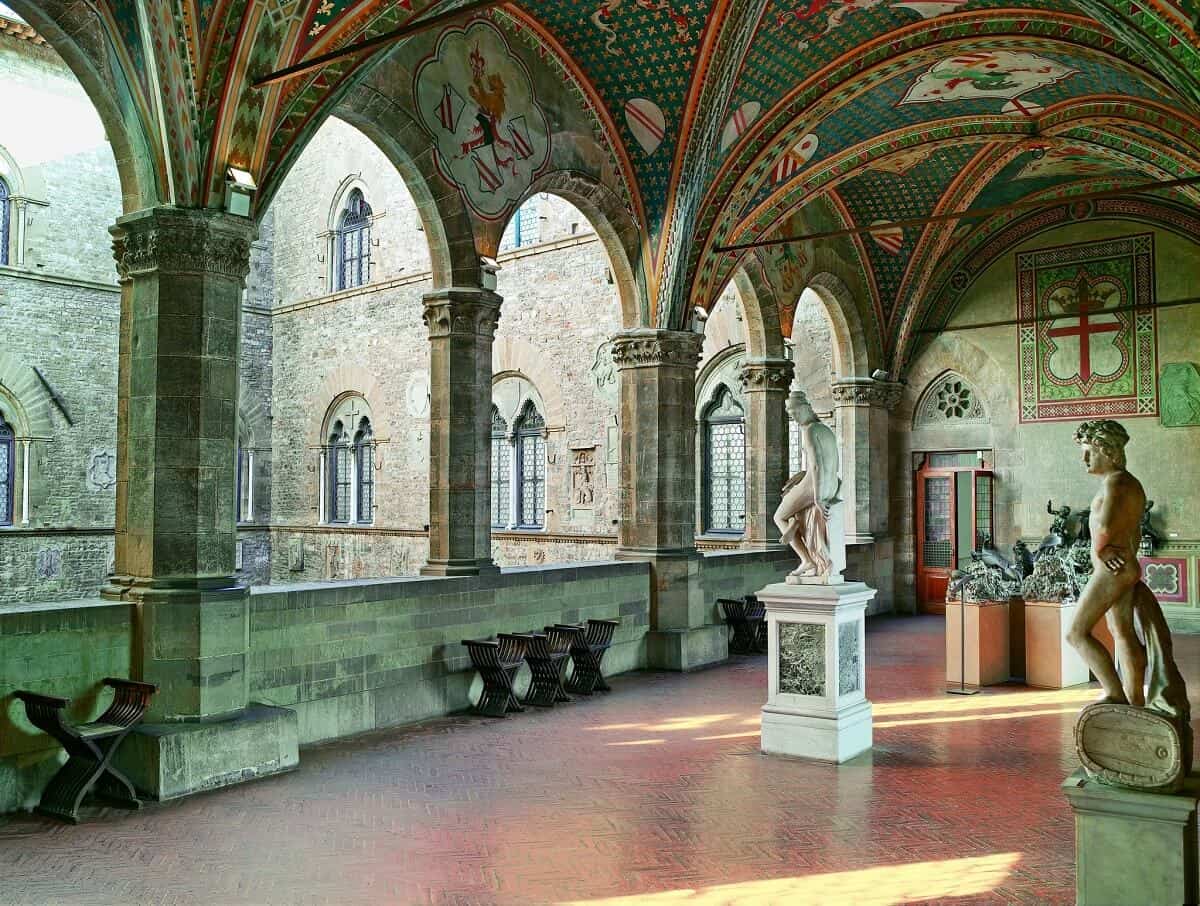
[816,696]
[1133,847]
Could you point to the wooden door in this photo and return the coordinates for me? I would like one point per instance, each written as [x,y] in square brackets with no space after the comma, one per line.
[937,553]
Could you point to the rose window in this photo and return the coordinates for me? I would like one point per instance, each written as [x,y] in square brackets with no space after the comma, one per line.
[954,400]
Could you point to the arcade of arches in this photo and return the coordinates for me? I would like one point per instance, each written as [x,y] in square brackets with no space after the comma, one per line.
[492,327]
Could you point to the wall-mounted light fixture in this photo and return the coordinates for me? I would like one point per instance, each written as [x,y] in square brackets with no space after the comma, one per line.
[239,192]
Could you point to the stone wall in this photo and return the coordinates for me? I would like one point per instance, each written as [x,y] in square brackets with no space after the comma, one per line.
[1035,462]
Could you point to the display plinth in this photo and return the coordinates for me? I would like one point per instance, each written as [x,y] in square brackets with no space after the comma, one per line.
[816,695]
[1133,847]
[985,643]
[1050,661]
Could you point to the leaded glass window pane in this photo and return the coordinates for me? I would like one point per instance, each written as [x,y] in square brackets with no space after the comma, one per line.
[531,462]
[243,485]
[724,465]
[795,448]
[340,468]
[4,196]
[938,542]
[354,243]
[983,510]
[501,472]
[364,453]
[6,473]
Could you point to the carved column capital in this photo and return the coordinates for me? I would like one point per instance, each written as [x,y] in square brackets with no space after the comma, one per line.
[867,392]
[181,241]
[462,312]
[648,348]
[762,375]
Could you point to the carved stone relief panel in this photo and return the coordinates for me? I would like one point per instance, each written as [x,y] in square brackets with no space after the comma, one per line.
[802,658]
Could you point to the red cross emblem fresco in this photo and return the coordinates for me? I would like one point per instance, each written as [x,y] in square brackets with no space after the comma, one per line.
[1085,348]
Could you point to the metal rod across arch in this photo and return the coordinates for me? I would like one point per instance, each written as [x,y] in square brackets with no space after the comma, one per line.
[391,37]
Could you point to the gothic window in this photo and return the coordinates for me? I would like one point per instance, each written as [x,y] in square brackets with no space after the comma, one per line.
[4,198]
[340,478]
[501,472]
[352,258]
[7,471]
[364,471]
[724,465]
[531,468]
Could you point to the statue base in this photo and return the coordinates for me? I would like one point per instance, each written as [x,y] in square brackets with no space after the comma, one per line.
[816,667]
[1133,847]
[1124,746]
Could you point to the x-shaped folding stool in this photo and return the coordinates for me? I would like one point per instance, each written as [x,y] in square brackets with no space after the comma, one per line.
[90,748]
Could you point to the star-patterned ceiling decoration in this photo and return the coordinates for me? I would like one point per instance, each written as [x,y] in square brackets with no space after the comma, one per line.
[846,100]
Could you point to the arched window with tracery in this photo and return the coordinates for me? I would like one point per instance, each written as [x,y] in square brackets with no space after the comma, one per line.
[7,471]
[724,464]
[501,472]
[348,457]
[531,468]
[5,194]
[352,260]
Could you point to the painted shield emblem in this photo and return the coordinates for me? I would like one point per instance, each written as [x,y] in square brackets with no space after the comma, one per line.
[986,74]
[739,123]
[647,123]
[800,154]
[478,102]
[889,238]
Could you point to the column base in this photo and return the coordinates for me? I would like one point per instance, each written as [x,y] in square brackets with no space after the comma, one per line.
[460,568]
[835,738]
[687,649]
[168,761]
[1133,847]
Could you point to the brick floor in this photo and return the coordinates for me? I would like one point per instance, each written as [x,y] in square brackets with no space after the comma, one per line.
[656,794]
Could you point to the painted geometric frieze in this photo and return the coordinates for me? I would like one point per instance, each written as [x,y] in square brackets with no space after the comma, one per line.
[1167,577]
[1087,337]
[1179,388]
[802,658]
[848,658]
[477,99]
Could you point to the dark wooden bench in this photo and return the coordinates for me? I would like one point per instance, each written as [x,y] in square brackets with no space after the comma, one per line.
[588,644]
[747,617]
[90,748]
[546,656]
[497,661]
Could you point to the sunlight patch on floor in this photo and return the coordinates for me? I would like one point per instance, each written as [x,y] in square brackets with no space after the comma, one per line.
[881,886]
[971,718]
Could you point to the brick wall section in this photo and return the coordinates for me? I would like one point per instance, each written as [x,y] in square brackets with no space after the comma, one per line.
[355,657]
[58,649]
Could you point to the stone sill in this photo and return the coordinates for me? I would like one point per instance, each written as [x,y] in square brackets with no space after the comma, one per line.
[23,273]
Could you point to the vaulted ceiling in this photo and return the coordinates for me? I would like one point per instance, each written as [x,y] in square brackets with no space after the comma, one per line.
[728,119]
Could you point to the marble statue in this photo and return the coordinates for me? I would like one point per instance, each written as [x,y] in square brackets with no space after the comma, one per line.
[803,513]
[1139,734]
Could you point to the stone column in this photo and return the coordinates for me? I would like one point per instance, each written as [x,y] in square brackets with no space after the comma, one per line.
[658,491]
[862,407]
[765,383]
[182,273]
[462,324]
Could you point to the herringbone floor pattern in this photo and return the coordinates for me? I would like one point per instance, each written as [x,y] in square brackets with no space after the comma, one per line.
[655,794]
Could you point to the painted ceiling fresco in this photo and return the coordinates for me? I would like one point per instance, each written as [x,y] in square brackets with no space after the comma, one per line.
[725,116]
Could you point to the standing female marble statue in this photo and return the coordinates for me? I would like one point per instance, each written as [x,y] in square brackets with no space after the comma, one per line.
[803,513]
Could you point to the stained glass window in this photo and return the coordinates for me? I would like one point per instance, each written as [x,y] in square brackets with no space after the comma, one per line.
[7,449]
[364,461]
[938,542]
[501,472]
[724,465]
[531,464]
[4,196]
[340,468]
[353,244]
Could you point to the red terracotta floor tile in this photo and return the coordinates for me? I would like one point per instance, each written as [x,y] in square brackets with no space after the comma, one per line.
[655,794]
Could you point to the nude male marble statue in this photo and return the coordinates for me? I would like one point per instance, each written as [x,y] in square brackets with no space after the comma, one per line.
[1148,678]
[803,513]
